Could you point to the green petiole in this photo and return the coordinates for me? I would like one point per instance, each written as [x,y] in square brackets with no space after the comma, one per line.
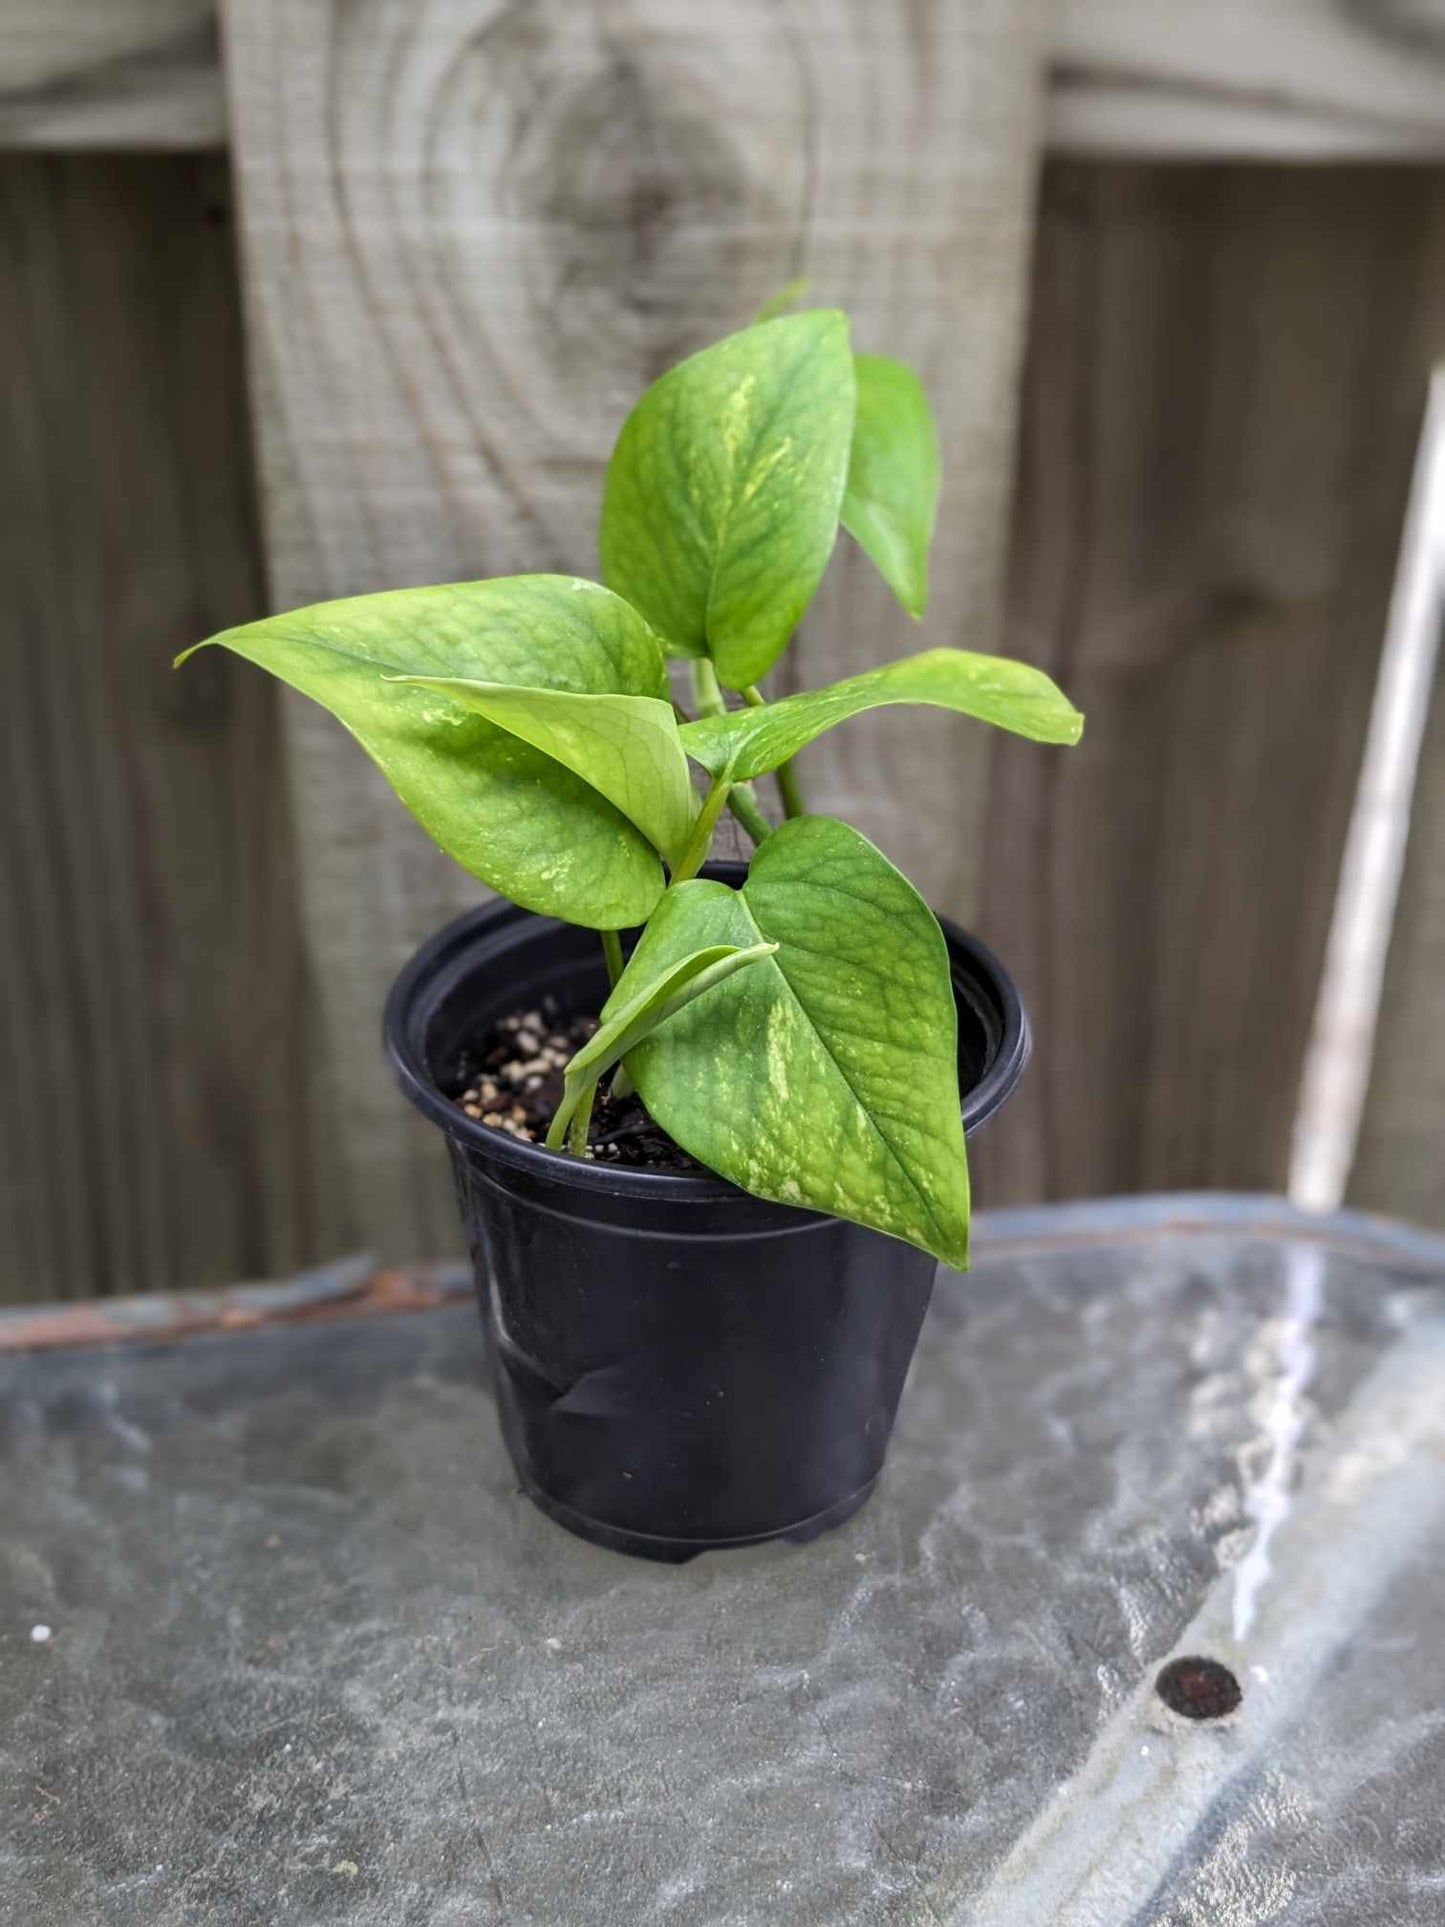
[700,842]
[785,774]
[612,951]
[742,800]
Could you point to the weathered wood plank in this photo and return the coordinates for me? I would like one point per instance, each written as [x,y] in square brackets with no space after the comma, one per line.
[110,73]
[470,243]
[1277,79]
[1225,379]
[157,1122]
[1098,116]
[1280,79]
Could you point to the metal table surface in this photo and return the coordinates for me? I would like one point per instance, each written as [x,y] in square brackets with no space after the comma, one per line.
[312,1658]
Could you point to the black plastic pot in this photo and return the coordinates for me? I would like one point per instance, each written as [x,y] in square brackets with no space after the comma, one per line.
[678,1366]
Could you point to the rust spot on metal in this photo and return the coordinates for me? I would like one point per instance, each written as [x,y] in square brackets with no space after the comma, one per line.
[351,1289]
[1198,1689]
[38,1331]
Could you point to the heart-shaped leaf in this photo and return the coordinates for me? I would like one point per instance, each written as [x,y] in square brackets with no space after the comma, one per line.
[513,815]
[995,689]
[626,747]
[723,492]
[826,1074]
[891,501]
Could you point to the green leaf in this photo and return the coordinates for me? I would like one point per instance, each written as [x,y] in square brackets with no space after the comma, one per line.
[627,1019]
[723,492]
[639,1012]
[891,502]
[995,689]
[825,1075]
[626,747]
[514,816]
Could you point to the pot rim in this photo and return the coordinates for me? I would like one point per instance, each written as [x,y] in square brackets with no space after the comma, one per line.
[438,962]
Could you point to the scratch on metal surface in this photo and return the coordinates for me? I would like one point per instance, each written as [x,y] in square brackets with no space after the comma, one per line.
[1099,1850]
[1267,1500]
[351,1288]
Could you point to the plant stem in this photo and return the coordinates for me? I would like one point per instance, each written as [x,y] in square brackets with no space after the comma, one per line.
[743,801]
[556,1138]
[577,1096]
[793,804]
[581,1121]
[700,842]
[705,688]
[744,805]
[612,951]
[787,775]
[622,1084]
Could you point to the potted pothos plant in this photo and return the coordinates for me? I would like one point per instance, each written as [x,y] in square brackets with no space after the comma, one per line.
[706,1164]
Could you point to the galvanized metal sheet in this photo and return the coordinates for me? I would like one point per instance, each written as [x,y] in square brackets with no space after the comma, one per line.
[281,1642]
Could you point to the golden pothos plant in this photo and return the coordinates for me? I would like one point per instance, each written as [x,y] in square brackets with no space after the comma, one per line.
[796,1034]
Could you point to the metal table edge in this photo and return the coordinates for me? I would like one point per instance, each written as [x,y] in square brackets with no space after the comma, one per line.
[355,1286]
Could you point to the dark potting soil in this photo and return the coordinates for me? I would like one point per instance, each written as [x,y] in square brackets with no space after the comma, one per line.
[512,1082]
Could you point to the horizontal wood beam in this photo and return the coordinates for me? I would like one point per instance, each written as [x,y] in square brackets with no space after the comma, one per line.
[1248,79]
[1095,117]
[110,74]
[1287,80]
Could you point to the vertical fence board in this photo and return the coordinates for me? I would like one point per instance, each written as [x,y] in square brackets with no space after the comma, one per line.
[1400,1167]
[1226,373]
[157,1125]
[473,234]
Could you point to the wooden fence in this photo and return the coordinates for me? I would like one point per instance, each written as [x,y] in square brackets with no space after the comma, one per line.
[470,233]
